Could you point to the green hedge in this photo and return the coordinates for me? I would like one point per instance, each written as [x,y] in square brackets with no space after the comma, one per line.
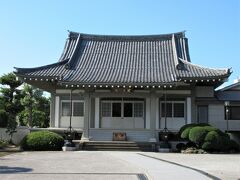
[42,141]
[184,130]
[208,138]
[213,141]
[197,134]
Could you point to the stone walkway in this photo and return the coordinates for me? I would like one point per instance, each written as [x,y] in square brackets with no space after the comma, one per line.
[157,169]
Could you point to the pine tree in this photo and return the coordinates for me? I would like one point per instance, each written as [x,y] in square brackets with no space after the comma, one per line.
[11,100]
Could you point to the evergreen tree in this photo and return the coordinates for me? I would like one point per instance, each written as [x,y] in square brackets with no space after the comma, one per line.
[36,112]
[10,101]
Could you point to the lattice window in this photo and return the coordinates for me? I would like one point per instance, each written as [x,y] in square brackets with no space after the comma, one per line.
[78,109]
[138,109]
[168,110]
[106,109]
[178,109]
[116,110]
[128,109]
[66,109]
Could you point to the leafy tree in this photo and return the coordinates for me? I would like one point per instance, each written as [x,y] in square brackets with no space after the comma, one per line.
[10,100]
[27,104]
[36,111]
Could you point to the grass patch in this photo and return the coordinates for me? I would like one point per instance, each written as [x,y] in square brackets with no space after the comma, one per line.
[4,153]
[3,144]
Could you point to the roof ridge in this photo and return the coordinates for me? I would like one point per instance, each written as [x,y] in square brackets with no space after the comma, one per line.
[71,60]
[175,54]
[147,36]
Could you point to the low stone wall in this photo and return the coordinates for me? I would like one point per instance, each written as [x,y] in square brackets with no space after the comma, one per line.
[22,131]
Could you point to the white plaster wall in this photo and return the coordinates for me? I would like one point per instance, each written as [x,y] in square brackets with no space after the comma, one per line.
[17,137]
[204,91]
[216,118]
[77,122]
[173,124]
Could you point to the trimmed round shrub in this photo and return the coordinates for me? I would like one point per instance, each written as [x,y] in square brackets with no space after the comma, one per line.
[208,138]
[213,141]
[185,133]
[213,136]
[208,146]
[185,127]
[197,135]
[184,130]
[42,141]
[219,141]
[210,128]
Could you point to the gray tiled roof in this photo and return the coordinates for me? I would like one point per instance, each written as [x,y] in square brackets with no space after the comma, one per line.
[101,59]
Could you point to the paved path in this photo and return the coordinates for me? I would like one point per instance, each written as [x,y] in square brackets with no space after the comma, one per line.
[90,165]
[157,169]
[221,166]
[66,165]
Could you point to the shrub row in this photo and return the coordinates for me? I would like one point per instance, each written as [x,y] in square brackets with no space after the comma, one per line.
[42,141]
[208,138]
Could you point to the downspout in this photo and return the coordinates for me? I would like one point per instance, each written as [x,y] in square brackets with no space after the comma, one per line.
[165,104]
[89,113]
[70,125]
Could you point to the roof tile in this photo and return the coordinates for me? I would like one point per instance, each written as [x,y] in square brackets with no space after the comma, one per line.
[124,59]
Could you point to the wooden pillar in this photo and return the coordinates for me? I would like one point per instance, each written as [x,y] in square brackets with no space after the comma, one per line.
[148,105]
[157,113]
[87,104]
[153,109]
[189,110]
[97,113]
[57,108]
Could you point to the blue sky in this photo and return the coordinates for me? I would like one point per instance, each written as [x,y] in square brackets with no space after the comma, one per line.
[32,33]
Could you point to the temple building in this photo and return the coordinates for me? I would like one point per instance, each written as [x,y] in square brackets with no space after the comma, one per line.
[139,85]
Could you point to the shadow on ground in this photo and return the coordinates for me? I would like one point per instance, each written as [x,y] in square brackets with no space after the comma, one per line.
[10,170]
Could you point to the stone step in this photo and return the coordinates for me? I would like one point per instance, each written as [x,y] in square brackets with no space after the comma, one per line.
[116,146]
[120,145]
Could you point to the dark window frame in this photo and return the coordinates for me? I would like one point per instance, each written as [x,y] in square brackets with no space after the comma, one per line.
[230,115]
[73,105]
[134,113]
[172,114]
[116,112]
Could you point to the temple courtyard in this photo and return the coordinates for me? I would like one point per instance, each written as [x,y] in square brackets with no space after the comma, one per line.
[118,165]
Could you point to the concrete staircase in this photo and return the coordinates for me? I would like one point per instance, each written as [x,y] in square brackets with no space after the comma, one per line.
[116,146]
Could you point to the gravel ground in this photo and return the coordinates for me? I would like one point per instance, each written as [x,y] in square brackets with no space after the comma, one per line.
[91,165]
[222,166]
